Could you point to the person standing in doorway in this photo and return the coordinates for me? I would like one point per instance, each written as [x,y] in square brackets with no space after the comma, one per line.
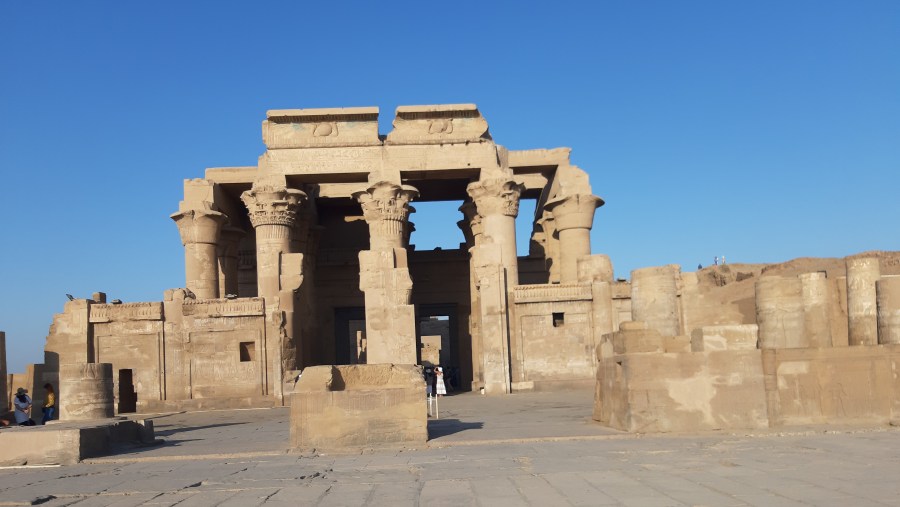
[49,403]
[440,388]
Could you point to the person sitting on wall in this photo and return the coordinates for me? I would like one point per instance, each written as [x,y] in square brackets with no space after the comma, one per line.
[49,403]
[22,403]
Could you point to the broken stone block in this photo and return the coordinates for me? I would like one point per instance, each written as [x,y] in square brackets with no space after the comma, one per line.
[359,407]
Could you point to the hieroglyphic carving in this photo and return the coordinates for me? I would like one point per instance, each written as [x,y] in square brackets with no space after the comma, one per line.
[554,292]
[126,312]
[223,307]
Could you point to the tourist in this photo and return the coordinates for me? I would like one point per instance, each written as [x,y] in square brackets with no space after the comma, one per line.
[49,403]
[440,388]
[23,405]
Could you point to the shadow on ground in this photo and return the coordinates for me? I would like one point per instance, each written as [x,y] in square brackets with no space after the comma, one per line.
[438,428]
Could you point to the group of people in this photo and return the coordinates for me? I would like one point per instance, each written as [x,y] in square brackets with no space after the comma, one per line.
[434,381]
[22,407]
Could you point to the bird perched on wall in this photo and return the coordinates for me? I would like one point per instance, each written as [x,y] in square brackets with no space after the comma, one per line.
[71,297]
[116,301]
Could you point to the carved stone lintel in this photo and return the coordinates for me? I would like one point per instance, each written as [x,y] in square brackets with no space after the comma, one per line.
[271,203]
[498,196]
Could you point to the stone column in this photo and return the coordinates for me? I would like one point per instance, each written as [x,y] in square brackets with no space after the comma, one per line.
[574,216]
[85,391]
[888,296]
[384,274]
[862,273]
[816,319]
[551,252]
[779,312]
[497,202]
[472,230]
[199,229]
[273,211]
[496,260]
[227,251]
[654,298]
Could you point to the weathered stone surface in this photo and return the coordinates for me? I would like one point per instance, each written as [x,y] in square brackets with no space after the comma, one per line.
[358,407]
[779,313]
[661,392]
[888,303]
[862,273]
[85,391]
[717,338]
[654,298]
[438,124]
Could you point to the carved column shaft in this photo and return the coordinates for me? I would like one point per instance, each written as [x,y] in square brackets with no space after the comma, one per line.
[497,202]
[384,274]
[199,229]
[273,213]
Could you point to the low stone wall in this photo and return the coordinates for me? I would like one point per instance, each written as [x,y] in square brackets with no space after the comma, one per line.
[68,443]
[663,392]
[849,385]
[358,407]
[642,388]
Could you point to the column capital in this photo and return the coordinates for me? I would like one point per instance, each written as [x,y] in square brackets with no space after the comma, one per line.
[271,203]
[199,225]
[574,211]
[472,221]
[496,196]
[386,201]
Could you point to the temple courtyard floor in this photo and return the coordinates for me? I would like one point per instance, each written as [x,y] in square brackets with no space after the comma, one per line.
[523,449]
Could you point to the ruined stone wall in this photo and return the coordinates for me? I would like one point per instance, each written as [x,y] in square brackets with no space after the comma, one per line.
[554,323]
[181,352]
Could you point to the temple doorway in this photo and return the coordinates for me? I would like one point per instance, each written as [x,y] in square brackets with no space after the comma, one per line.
[350,335]
[127,395]
[438,343]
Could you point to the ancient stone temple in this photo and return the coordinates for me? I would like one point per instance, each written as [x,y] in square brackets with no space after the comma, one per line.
[306,259]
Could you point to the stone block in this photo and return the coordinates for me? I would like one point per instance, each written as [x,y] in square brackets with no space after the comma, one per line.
[677,344]
[635,338]
[682,392]
[438,124]
[313,128]
[729,337]
[359,407]
[847,385]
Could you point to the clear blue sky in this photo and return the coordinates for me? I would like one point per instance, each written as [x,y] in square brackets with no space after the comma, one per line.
[763,131]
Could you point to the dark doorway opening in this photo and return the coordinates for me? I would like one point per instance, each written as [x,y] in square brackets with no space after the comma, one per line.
[437,327]
[127,395]
[350,335]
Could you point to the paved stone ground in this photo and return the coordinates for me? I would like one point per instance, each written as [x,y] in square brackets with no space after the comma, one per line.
[535,449]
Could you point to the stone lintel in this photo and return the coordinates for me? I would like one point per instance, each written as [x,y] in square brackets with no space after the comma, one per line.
[223,175]
[125,312]
[439,124]
[331,127]
[243,307]
[551,293]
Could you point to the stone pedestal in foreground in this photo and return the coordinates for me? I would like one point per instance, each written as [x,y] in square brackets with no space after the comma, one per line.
[85,391]
[359,407]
